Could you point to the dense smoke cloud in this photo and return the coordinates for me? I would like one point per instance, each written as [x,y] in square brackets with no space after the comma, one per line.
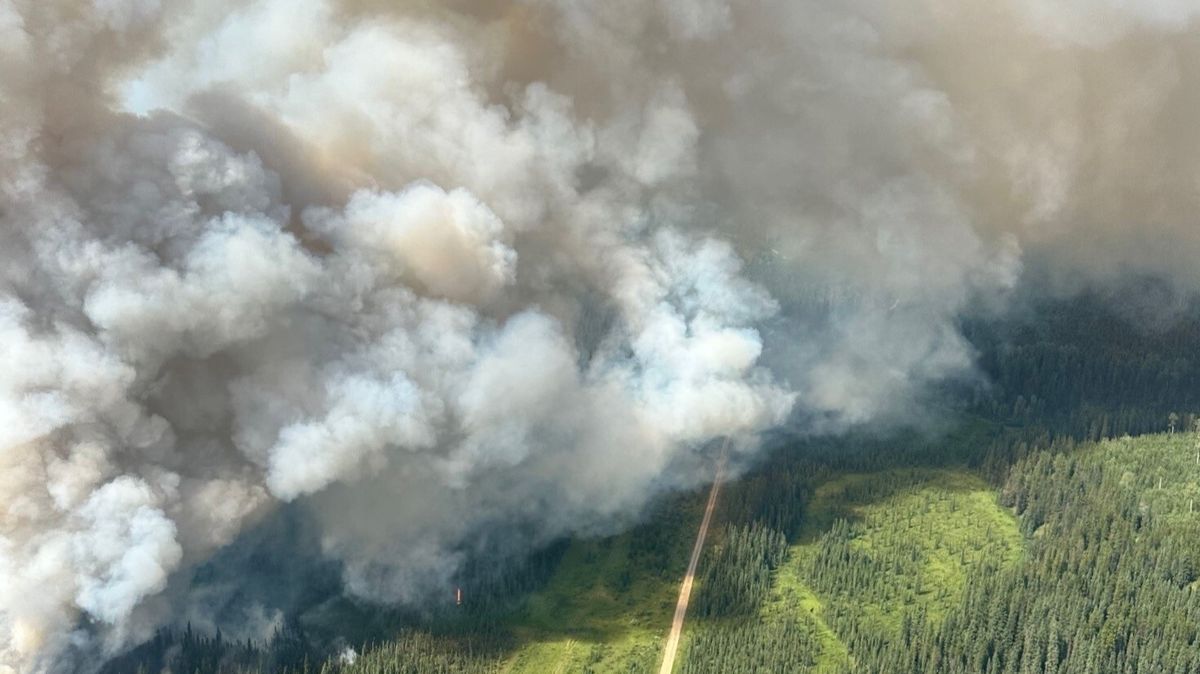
[453,267]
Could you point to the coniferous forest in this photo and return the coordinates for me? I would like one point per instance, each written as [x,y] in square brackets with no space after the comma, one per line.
[1054,527]
[599,337]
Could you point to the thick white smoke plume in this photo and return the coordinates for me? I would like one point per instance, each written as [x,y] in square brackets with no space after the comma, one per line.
[434,267]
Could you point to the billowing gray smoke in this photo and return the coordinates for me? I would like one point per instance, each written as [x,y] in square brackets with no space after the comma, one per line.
[436,267]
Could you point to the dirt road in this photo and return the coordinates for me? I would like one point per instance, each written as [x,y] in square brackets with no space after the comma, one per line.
[685,589]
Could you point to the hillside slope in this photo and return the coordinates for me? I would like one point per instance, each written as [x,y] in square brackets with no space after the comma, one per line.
[1084,559]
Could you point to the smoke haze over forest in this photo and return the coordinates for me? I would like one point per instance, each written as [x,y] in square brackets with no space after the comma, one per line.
[463,274]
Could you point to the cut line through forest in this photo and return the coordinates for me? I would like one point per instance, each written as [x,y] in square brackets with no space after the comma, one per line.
[685,588]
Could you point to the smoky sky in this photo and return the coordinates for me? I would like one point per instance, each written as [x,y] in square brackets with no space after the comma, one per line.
[430,269]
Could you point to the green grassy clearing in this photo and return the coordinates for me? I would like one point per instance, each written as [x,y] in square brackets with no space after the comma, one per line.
[609,604]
